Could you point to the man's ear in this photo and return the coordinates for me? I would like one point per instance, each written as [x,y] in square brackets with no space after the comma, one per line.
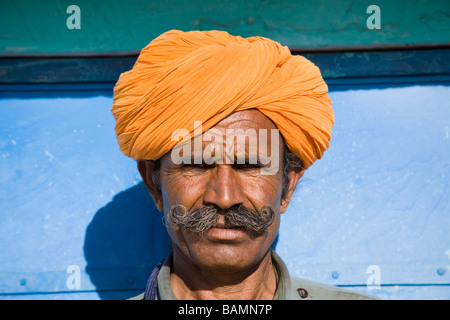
[294,177]
[146,168]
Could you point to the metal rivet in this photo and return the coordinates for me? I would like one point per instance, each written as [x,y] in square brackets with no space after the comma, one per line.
[302,293]
[441,271]
[335,275]
[250,20]
[23,282]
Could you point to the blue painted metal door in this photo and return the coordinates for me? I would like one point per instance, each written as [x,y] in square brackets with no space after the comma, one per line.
[373,214]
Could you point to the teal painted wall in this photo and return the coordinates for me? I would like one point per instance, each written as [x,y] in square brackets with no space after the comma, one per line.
[108,26]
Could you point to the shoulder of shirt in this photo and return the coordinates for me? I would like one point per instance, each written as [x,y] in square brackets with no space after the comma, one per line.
[311,290]
[303,289]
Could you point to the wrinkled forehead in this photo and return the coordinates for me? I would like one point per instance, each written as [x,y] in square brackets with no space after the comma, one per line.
[244,132]
[246,119]
[245,137]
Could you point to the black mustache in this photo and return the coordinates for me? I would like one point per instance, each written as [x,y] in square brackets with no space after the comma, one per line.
[199,220]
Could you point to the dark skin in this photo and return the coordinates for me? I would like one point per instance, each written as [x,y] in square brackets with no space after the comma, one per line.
[224,263]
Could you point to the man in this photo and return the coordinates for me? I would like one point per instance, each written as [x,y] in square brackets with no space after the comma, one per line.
[222,129]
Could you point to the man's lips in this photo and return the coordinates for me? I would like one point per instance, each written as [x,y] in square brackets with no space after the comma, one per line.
[225,233]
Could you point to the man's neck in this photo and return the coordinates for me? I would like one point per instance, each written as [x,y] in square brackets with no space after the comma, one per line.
[189,282]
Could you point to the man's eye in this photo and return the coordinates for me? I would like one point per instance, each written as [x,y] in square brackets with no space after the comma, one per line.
[202,166]
[247,166]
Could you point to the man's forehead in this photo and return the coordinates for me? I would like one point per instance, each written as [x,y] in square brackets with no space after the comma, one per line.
[247,136]
[246,127]
[245,119]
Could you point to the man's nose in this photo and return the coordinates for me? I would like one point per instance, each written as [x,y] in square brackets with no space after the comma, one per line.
[223,188]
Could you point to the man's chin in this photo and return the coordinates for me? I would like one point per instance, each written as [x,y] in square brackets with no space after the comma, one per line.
[221,249]
[225,256]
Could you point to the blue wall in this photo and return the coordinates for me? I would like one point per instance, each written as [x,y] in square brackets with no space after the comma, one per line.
[380,196]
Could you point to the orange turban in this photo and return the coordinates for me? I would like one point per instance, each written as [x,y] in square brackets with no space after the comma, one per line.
[182,77]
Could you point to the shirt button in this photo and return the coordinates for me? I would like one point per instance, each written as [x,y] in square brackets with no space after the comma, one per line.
[302,293]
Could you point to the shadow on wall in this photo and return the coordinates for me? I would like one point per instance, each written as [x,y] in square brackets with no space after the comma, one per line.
[124,242]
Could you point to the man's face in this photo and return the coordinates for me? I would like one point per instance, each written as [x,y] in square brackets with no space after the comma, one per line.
[224,186]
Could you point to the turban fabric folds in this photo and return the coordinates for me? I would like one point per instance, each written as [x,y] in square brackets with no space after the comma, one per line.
[182,77]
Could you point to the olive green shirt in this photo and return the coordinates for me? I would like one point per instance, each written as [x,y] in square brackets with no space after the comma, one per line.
[288,288]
